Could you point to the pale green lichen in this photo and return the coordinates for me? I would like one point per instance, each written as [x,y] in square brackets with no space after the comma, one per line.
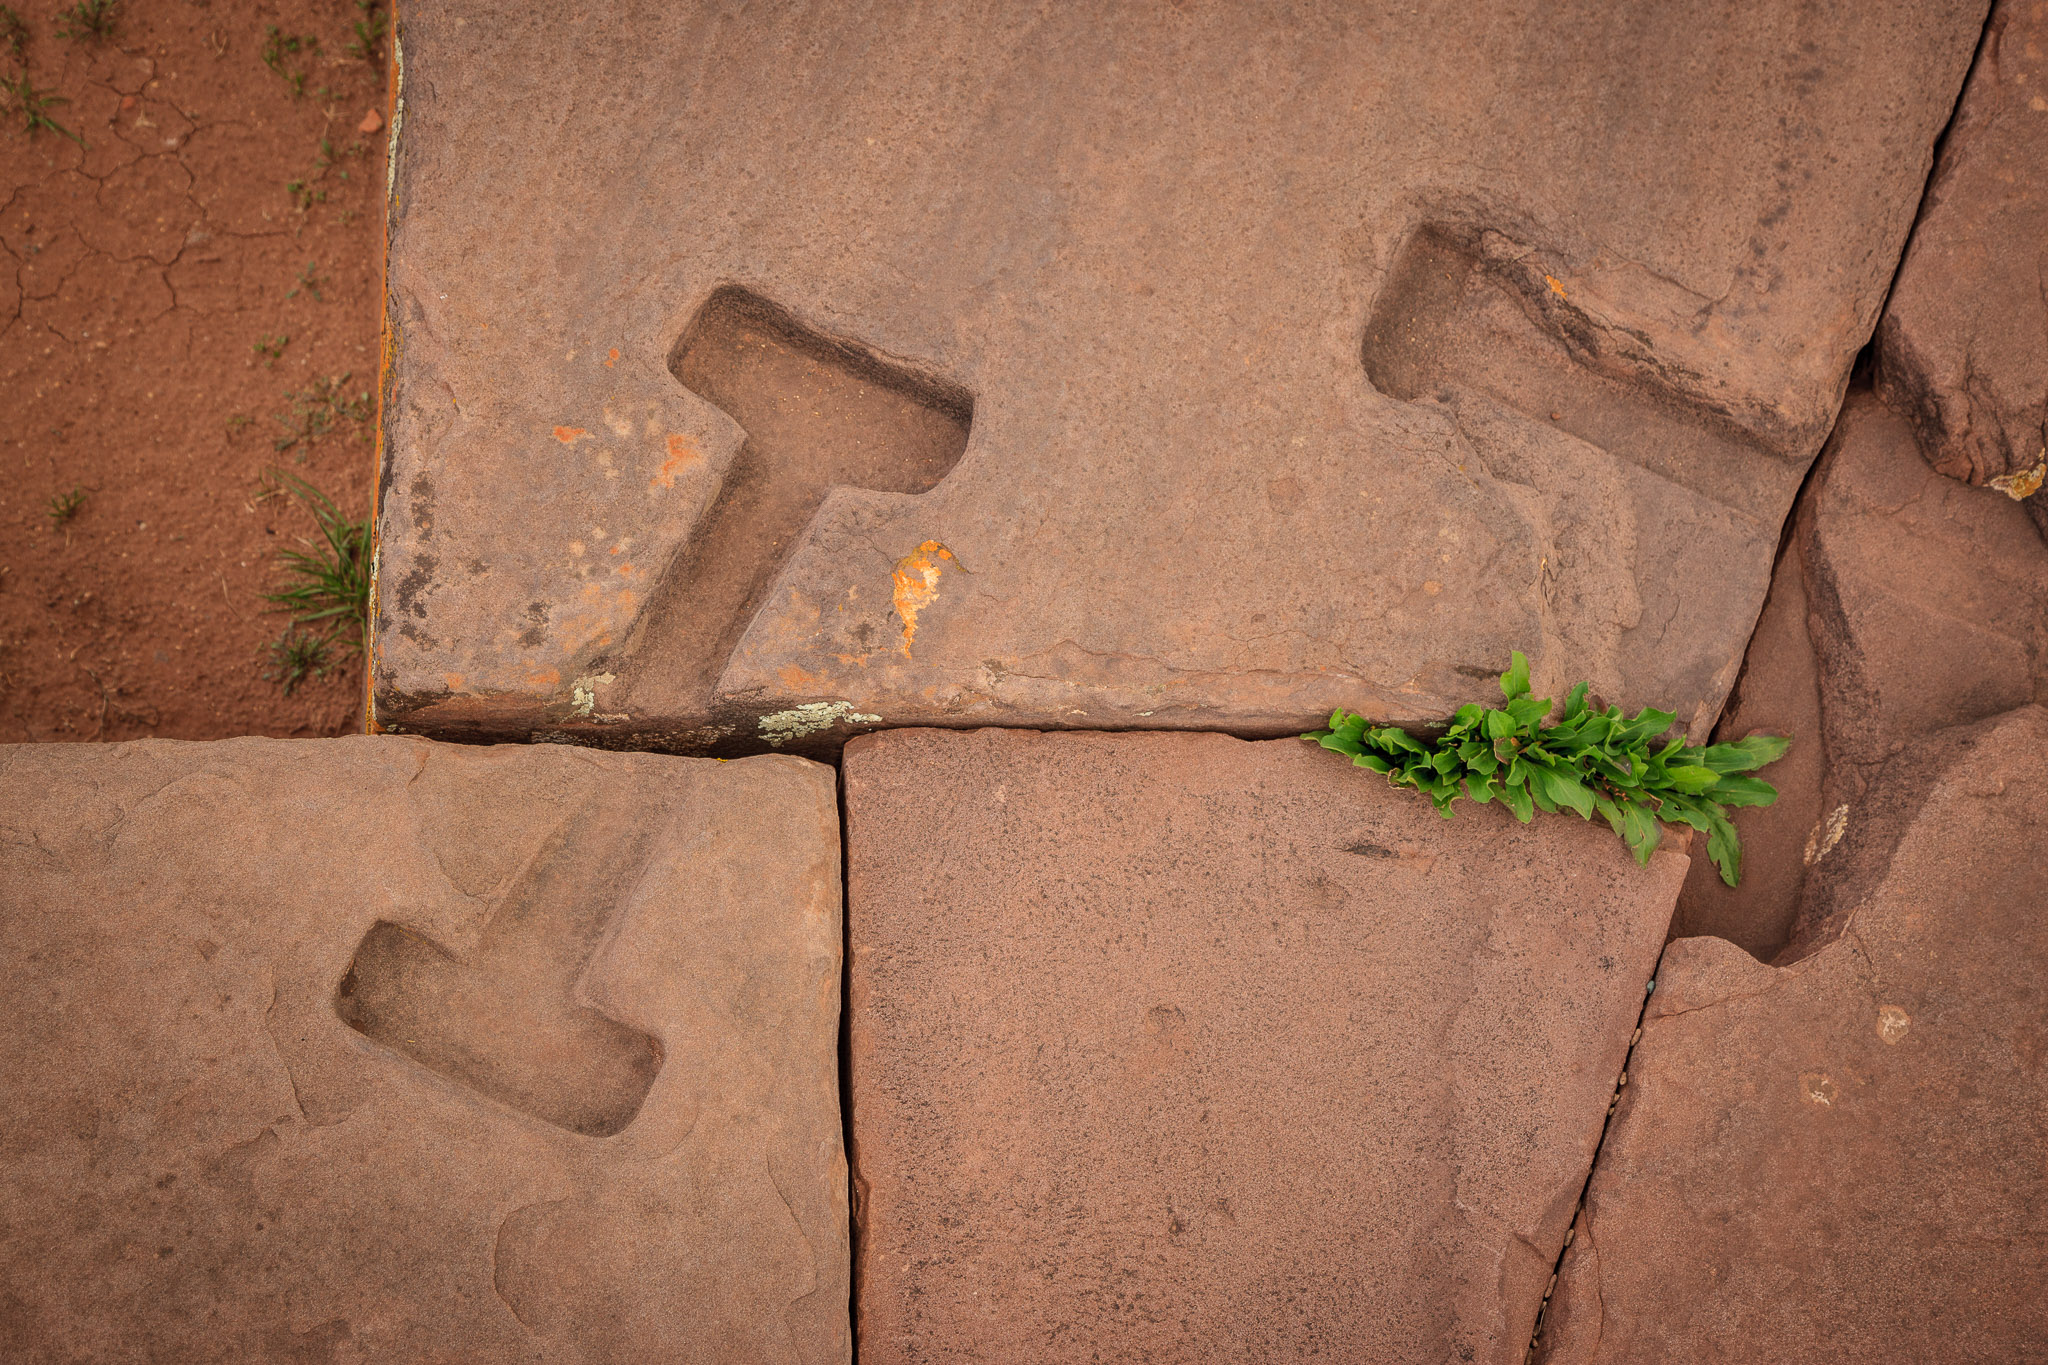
[809,719]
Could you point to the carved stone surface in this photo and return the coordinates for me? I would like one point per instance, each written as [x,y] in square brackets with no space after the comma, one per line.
[1179,1047]
[1841,1158]
[374,1049]
[811,369]
[1963,349]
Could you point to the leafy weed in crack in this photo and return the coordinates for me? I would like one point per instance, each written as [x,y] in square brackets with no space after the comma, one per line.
[89,20]
[288,54]
[62,508]
[14,37]
[326,588]
[270,350]
[310,280]
[311,189]
[1590,760]
[31,103]
[366,40]
[316,411]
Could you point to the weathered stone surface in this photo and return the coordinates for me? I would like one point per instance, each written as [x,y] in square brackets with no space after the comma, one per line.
[1179,1047]
[250,1119]
[1131,368]
[1841,1159]
[1904,603]
[1963,348]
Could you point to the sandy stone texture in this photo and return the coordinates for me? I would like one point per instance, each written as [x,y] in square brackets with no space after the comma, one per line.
[1840,1158]
[312,1051]
[815,369]
[1177,1047]
[1963,349]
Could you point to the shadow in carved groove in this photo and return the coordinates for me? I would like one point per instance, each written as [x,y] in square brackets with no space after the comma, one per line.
[819,413]
[505,1020]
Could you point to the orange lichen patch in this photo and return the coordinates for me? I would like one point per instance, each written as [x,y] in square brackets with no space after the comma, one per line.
[917,585]
[569,436]
[544,679]
[452,681]
[1555,287]
[797,679]
[612,359]
[2023,483]
[682,452]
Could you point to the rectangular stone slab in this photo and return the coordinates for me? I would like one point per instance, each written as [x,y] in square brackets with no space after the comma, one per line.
[374,1049]
[1839,1158]
[1180,1047]
[761,375]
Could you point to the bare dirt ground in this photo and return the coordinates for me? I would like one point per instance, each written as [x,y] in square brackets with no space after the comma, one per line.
[187,301]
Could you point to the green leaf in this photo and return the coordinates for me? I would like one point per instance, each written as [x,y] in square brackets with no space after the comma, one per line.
[1515,682]
[1744,791]
[1725,848]
[1567,790]
[1528,712]
[1575,702]
[1468,715]
[1497,725]
[1374,762]
[1639,830]
[1518,800]
[1691,780]
[1745,755]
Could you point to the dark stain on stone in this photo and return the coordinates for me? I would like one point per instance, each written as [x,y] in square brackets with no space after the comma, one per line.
[1370,850]
[415,583]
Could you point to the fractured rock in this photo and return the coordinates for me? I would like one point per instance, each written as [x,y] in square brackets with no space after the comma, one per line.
[818,369]
[376,1049]
[1963,348]
[1839,1159]
[1180,1047]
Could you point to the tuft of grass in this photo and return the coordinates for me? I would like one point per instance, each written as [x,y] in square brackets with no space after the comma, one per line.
[89,20]
[295,657]
[366,40]
[63,507]
[288,54]
[310,280]
[326,585]
[271,349]
[315,411]
[30,104]
[1589,761]
[14,37]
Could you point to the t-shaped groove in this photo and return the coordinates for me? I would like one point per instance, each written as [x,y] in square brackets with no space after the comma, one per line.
[819,413]
[505,1020]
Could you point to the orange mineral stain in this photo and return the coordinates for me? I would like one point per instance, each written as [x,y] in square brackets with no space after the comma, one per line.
[917,585]
[612,359]
[1555,287]
[569,436]
[682,452]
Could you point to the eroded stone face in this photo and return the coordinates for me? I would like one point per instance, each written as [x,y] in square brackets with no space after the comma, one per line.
[1840,1159]
[1185,1048]
[374,1049]
[1079,369]
[1961,350]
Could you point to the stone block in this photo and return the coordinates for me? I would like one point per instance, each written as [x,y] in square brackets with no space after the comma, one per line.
[373,1049]
[811,370]
[1179,1047]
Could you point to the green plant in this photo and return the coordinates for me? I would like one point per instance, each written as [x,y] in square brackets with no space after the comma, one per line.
[63,507]
[316,410]
[310,280]
[271,349]
[368,40]
[14,36]
[285,53]
[32,102]
[1590,760]
[326,585]
[295,657]
[89,19]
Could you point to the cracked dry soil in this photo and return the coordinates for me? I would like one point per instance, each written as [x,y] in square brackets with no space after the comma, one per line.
[210,210]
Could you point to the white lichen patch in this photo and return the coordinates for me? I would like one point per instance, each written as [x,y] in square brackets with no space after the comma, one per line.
[583,693]
[809,719]
[1826,835]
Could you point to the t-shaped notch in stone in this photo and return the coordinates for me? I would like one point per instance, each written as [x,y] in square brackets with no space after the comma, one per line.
[819,413]
[505,1020]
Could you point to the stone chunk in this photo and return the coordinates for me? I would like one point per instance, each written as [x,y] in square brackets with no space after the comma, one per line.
[1840,1159]
[371,1049]
[822,368]
[1186,1048]
[1963,348]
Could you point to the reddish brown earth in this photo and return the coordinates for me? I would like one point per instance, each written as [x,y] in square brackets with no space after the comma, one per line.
[137,274]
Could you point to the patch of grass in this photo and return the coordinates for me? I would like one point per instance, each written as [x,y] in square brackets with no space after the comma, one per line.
[366,39]
[317,410]
[63,507]
[89,20]
[270,350]
[288,54]
[14,37]
[1590,760]
[31,103]
[295,657]
[308,190]
[310,280]
[326,586]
